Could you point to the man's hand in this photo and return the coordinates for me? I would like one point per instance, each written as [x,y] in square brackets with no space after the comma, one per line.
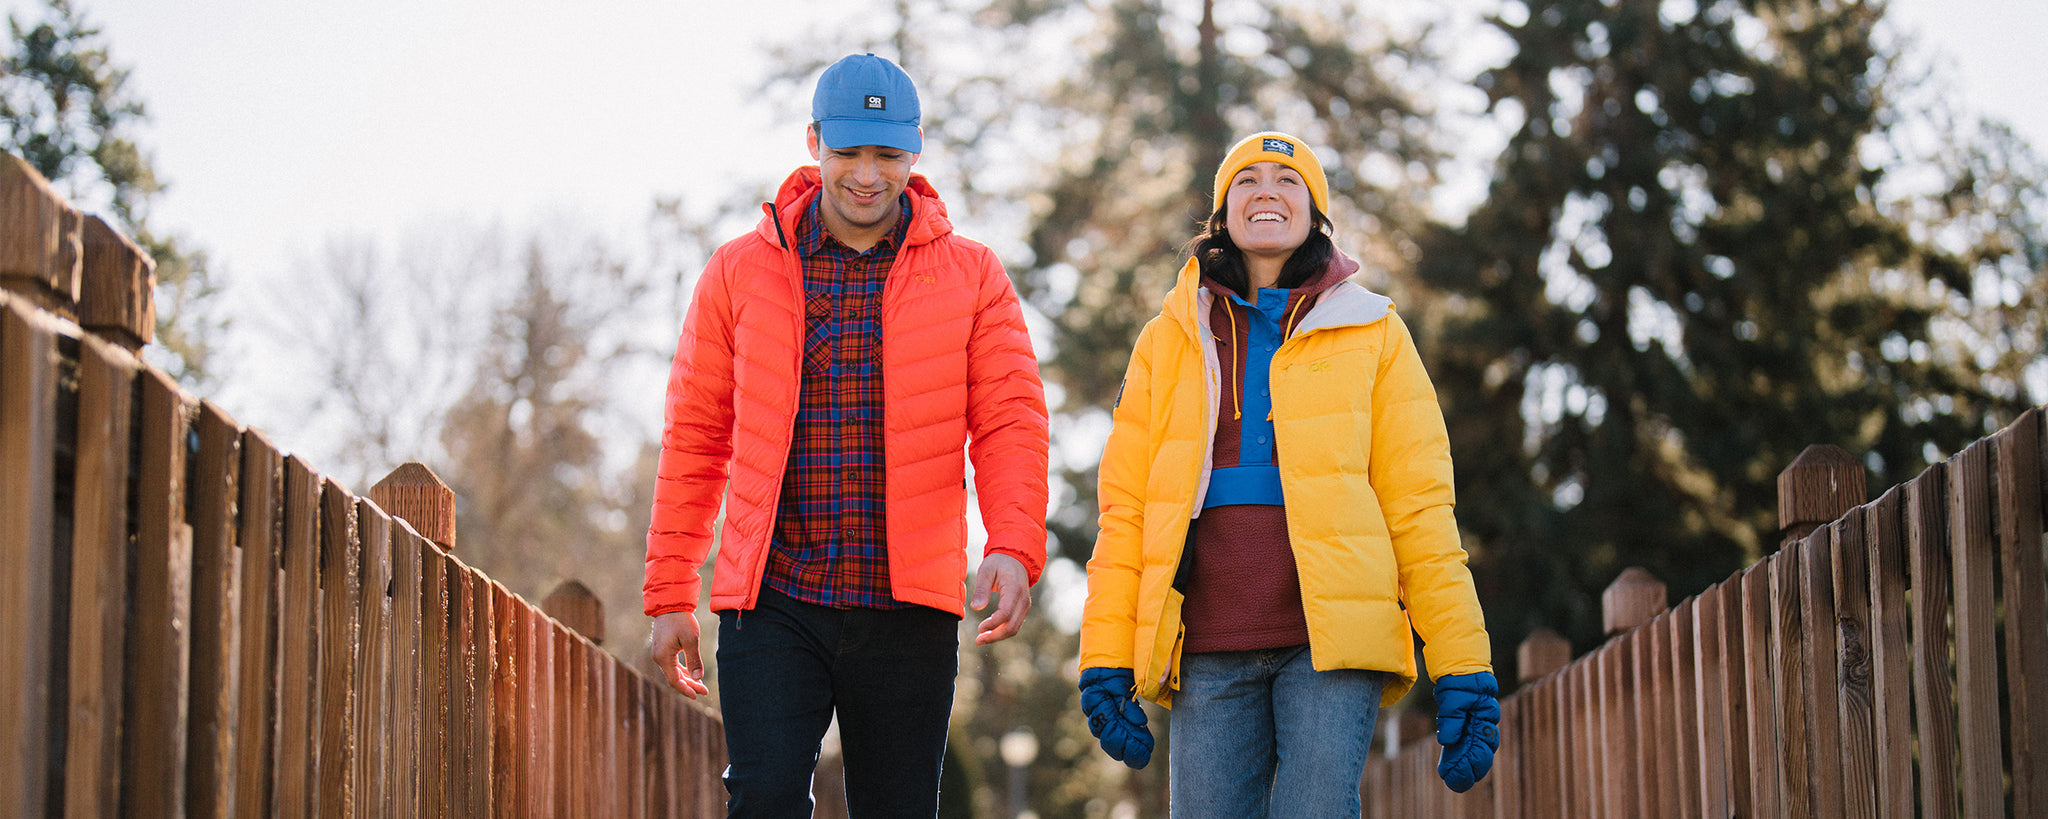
[1005,576]
[675,650]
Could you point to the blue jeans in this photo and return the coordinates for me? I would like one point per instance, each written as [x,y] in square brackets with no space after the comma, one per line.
[1262,733]
[785,667]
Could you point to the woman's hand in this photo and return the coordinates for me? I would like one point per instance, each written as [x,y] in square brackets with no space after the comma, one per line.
[1468,726]
[1116,720]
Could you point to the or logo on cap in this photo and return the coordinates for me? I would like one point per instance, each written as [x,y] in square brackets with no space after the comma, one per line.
[1278,146]
[877,102]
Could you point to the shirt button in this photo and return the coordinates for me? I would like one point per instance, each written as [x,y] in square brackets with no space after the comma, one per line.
[1262,439]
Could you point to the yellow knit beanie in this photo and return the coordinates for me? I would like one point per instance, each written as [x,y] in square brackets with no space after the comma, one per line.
[1273,146]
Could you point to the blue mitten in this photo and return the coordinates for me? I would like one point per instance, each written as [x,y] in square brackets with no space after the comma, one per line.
[1117,720]
[1468,726]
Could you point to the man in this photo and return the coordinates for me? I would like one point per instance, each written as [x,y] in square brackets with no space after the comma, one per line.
[834,365]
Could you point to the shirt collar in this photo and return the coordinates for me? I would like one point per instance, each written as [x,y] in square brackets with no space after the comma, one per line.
[810,230]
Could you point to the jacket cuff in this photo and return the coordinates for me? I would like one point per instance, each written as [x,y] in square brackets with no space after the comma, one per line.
[1032,566]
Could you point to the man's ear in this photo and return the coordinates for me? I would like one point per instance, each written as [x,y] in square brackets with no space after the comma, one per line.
[811,142]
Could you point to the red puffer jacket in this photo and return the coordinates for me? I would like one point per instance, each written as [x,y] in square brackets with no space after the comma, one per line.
[957,365]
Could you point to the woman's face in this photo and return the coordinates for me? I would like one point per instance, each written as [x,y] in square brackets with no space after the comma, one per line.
[1267,210]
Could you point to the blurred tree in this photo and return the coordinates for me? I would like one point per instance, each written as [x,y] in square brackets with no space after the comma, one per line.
[67,110]
[525,442]
[1681,278]
[526,371]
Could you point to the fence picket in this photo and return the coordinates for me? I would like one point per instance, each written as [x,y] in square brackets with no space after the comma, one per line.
[216,614]
[1711,702]
[160,601]
[1890,663]
[1683,691]
[1933,679]
[1790,681]
[434,683]
[1971,549]
[506,753]
[407,599]
[1762,710]
[1850,581]
[1821,686]
[2026,608]
[373,664]
[99,583]
[341,589]
[28,607]
[298,728]
[259,537]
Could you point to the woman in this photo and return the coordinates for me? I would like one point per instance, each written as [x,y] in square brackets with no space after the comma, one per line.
[1276,512]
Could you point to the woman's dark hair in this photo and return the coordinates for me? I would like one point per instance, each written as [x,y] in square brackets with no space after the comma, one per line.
[1219,258]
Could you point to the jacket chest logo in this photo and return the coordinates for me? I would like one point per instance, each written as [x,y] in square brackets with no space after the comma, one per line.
[1319,366]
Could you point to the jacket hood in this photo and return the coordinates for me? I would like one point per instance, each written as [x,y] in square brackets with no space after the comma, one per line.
[1338,300]
[1341,267]
[779,219]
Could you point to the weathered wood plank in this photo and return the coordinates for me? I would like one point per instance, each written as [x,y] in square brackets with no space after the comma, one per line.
[1972,546]
[560,701]
[1669,742]
[464,702]
[506,689]
[1642,697]
[483,636]
[1856,734]
[406,547]
[436,662]
[1822,683]
[1735,673]
[160,600]
[216,614]
[1765,777]
[2026,608]
[1618,772]
[341,589]
[373,771]
[1891,665]
[99,581]
[1933,677]
[1711,702]
[28,620]
[1788,656]
[298,722]
[1684,697]
[259,536]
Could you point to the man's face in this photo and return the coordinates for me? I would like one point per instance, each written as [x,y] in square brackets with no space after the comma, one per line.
[861,184]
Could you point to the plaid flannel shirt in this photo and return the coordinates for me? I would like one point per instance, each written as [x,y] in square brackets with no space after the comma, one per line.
[830,544]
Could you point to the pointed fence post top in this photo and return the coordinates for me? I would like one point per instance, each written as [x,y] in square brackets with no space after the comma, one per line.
[415,493]
[1820,485]
[573,603]
[1543,652]
[1634,598]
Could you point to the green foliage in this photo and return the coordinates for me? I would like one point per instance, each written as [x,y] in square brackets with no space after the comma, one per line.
[1679,280]
[67,110]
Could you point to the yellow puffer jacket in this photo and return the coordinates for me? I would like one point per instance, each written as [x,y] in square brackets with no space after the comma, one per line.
[1365,465]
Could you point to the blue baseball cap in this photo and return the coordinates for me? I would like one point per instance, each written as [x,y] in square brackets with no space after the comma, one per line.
[866,100]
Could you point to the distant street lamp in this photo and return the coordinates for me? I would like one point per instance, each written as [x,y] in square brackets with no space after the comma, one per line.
[1018,748]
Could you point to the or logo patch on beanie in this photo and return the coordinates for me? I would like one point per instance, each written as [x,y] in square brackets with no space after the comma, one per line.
[1278,146]
[877,102]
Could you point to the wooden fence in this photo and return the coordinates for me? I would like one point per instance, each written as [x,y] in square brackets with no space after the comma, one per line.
[194,624]
[1890,663]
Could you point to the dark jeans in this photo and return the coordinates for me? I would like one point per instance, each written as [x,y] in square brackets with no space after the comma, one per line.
[786,666]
